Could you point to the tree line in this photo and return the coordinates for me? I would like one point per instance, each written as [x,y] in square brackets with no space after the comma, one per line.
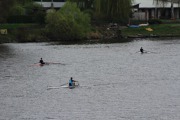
[106,9]
[100,9]
[73,20]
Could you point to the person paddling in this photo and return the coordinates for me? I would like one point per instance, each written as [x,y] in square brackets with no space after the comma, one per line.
[41,61]
[71,82]
[141,50]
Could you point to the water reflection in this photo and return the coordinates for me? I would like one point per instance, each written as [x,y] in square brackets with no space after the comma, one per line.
[109,41]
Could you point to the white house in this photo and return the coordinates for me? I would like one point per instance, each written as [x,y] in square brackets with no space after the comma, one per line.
[47,4]
[147,9]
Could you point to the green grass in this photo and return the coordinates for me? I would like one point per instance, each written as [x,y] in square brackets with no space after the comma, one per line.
[14,26]
[160,30]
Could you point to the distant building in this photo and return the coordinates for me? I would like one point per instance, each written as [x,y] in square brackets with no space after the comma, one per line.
[47,4]
[147,9]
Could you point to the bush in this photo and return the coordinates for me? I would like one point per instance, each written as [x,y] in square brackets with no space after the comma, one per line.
[19,19]
[36,11]
[154,21]
[17,10]
[69,23]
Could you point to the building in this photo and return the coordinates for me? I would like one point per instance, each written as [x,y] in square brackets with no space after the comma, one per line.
[47,4]
[148,9]
[142,9]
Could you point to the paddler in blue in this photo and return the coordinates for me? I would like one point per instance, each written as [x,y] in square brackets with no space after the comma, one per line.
[41,61]
[71,82]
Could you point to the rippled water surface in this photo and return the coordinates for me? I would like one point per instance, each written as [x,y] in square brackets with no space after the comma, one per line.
[116,81]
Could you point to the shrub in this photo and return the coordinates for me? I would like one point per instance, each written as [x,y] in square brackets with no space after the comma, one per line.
[17,10]
[69,23]
[154,21]
[19,19]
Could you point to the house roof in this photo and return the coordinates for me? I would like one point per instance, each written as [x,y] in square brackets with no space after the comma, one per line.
[152,4]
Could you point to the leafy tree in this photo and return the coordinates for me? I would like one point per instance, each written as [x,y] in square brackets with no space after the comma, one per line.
[84,4]
[113,9]
[36,11]
[17,10]
[110,9]
[5,6]
[69,23]
[23,2]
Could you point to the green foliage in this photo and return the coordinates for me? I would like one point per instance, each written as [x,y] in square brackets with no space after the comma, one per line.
[23,2]
[36,11]
[17,10]
[84,4]
[39,17]
[159,30]
[19,19]
[32,8]
[154,21]
[5,6]
[113,9]
[69,23]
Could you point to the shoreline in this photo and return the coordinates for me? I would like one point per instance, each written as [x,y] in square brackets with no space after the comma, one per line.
[107,32]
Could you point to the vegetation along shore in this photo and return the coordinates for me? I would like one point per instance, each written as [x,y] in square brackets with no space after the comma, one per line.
[28,21]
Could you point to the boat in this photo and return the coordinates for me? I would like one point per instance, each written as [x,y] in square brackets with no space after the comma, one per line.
[76,84]
[46,63]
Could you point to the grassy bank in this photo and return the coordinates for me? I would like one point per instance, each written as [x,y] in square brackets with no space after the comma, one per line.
[22,33]
[161,30]
[36,33]
[16,26]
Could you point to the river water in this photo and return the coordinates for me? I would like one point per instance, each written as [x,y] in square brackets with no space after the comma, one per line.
[116,81]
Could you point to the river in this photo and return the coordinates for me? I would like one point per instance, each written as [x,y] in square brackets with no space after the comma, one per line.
[116,81]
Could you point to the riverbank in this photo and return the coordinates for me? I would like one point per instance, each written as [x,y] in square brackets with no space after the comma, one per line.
[159,30]
[22,33]
[37,33]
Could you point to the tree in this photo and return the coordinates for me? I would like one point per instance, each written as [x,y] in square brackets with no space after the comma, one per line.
[113,9]
[69,23]
[12,7]
[84,4]
[110,9]
[36,11]
[23,2]
[17,10]
[5,6]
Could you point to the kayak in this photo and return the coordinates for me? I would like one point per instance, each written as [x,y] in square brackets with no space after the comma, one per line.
[39,64]
[76,84]
[46,63]
[54,63]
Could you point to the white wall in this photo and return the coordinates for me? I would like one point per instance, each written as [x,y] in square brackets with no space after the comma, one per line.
[151,4]
[48,4]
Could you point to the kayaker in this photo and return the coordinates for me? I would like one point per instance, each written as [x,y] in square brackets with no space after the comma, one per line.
[71,82]
[141,50]
[41,61]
